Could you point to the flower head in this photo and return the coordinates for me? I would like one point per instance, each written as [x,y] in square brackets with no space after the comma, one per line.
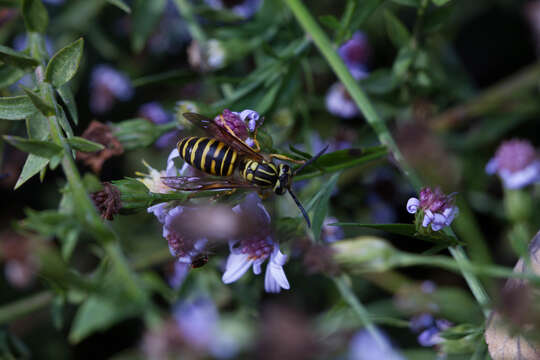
[437,208]
[355,53]
[364,346]
[101,134]
[107,201]
[255,247]
[242,124]
[429,329]
[107,85]
[210,56]
[517,164]
[243,8]
[339,102]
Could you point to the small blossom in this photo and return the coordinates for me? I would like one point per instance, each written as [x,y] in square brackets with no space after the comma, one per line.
[211,56]
[107,201]
[252,119]
[101,134]
[106,86]
[429,329]
[244,9]
[339,102]
[437,208]
[355,53]
[364,346]
[155,113]
[253,249]
[233,121]
[517,164]
[331,233]
[182,107]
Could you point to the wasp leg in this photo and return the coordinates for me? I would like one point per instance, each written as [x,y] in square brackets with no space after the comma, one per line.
[223,193]
[286,158]
[257,147]
[263,194]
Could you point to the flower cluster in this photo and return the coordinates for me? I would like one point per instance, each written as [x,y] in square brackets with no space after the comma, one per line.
[517,163]
[436,208]
[429,329]
[354,53]
[243,124]
[106,86]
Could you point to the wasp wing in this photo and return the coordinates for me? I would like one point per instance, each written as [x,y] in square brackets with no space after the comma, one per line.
[223,134]
[193,183]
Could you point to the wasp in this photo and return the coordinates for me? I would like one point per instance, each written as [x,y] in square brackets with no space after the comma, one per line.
[225,155]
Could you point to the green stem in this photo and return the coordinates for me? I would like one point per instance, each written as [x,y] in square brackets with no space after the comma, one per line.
[357,94]
[185,8]
[342,284]
[25,306]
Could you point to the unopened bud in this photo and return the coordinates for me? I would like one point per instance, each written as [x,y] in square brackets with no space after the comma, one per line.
[365,254]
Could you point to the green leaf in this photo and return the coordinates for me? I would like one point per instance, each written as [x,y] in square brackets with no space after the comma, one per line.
[98,313]
[17,59]
[364,10]
[64,123]
[319,205]
[9,75]
[121,5]
[32,166]
[379,82]
[403,62]
[342,159]
[37,126]
[408,230]
[146,15]
[41,148]
[35,15]
[437,18]
[81,144]
[67,97]
[413,3]
[330,22]
[64,64]
[398,33]
[137,133]
[440,2]
[38,102]
[16,107]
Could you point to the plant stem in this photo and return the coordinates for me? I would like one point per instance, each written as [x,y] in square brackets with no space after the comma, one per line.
[489,99]
[342,284]
[186,10]
[357,94]
[25,306]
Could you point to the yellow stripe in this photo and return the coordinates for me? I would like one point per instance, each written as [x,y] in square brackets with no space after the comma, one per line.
[263,180]
[194,150]
[223,161]
[205,152]
[265,172]
[216,155]
[184,146]
[231,165]
[246,167]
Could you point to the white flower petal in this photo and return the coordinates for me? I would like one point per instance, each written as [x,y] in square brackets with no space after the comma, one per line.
[171,168]
[412,205]
[521,178]
[275,278]
[428,218]
[438,222]
[159,211]
[257,266]
[237,265]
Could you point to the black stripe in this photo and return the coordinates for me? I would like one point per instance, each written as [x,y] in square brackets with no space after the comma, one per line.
[227,162]
[219,160]
[264,176]
[210,157]
[199,152]
[189,145]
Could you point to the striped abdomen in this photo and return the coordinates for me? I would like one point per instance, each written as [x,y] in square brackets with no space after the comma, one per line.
[209,155]
[263,174]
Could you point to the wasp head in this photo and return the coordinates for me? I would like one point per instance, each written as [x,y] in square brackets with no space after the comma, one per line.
[283,182]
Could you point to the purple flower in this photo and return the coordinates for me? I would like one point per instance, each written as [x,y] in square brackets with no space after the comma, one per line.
[429,329]
[364,346]
[199,324]
[253,249]
[244,9]
[330,234]
[106,86]
[339,102]
[355,53]
[20,42]
[155,113]
[171,33]
[517,164]
[243,124]
[54,2]
[437,208]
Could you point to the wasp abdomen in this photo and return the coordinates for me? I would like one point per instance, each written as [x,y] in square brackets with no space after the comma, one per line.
[209,155]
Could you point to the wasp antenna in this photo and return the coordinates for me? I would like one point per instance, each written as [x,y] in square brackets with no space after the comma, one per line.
[312,160]
[306,216]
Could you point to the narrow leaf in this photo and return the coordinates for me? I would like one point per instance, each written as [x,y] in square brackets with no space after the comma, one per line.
[440,2]
[38,102]
[41,148]
[81,144]
[9,75]
[67,97]
[16,107]
[35,15]
[17,59]
[319,205]
[64,64]
[398,33]
[121,5]
[146,15]
[32,166]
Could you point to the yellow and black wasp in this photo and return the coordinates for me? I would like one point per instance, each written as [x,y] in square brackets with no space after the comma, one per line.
[225,155]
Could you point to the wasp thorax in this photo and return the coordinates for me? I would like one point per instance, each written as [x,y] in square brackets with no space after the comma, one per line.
[284,178]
